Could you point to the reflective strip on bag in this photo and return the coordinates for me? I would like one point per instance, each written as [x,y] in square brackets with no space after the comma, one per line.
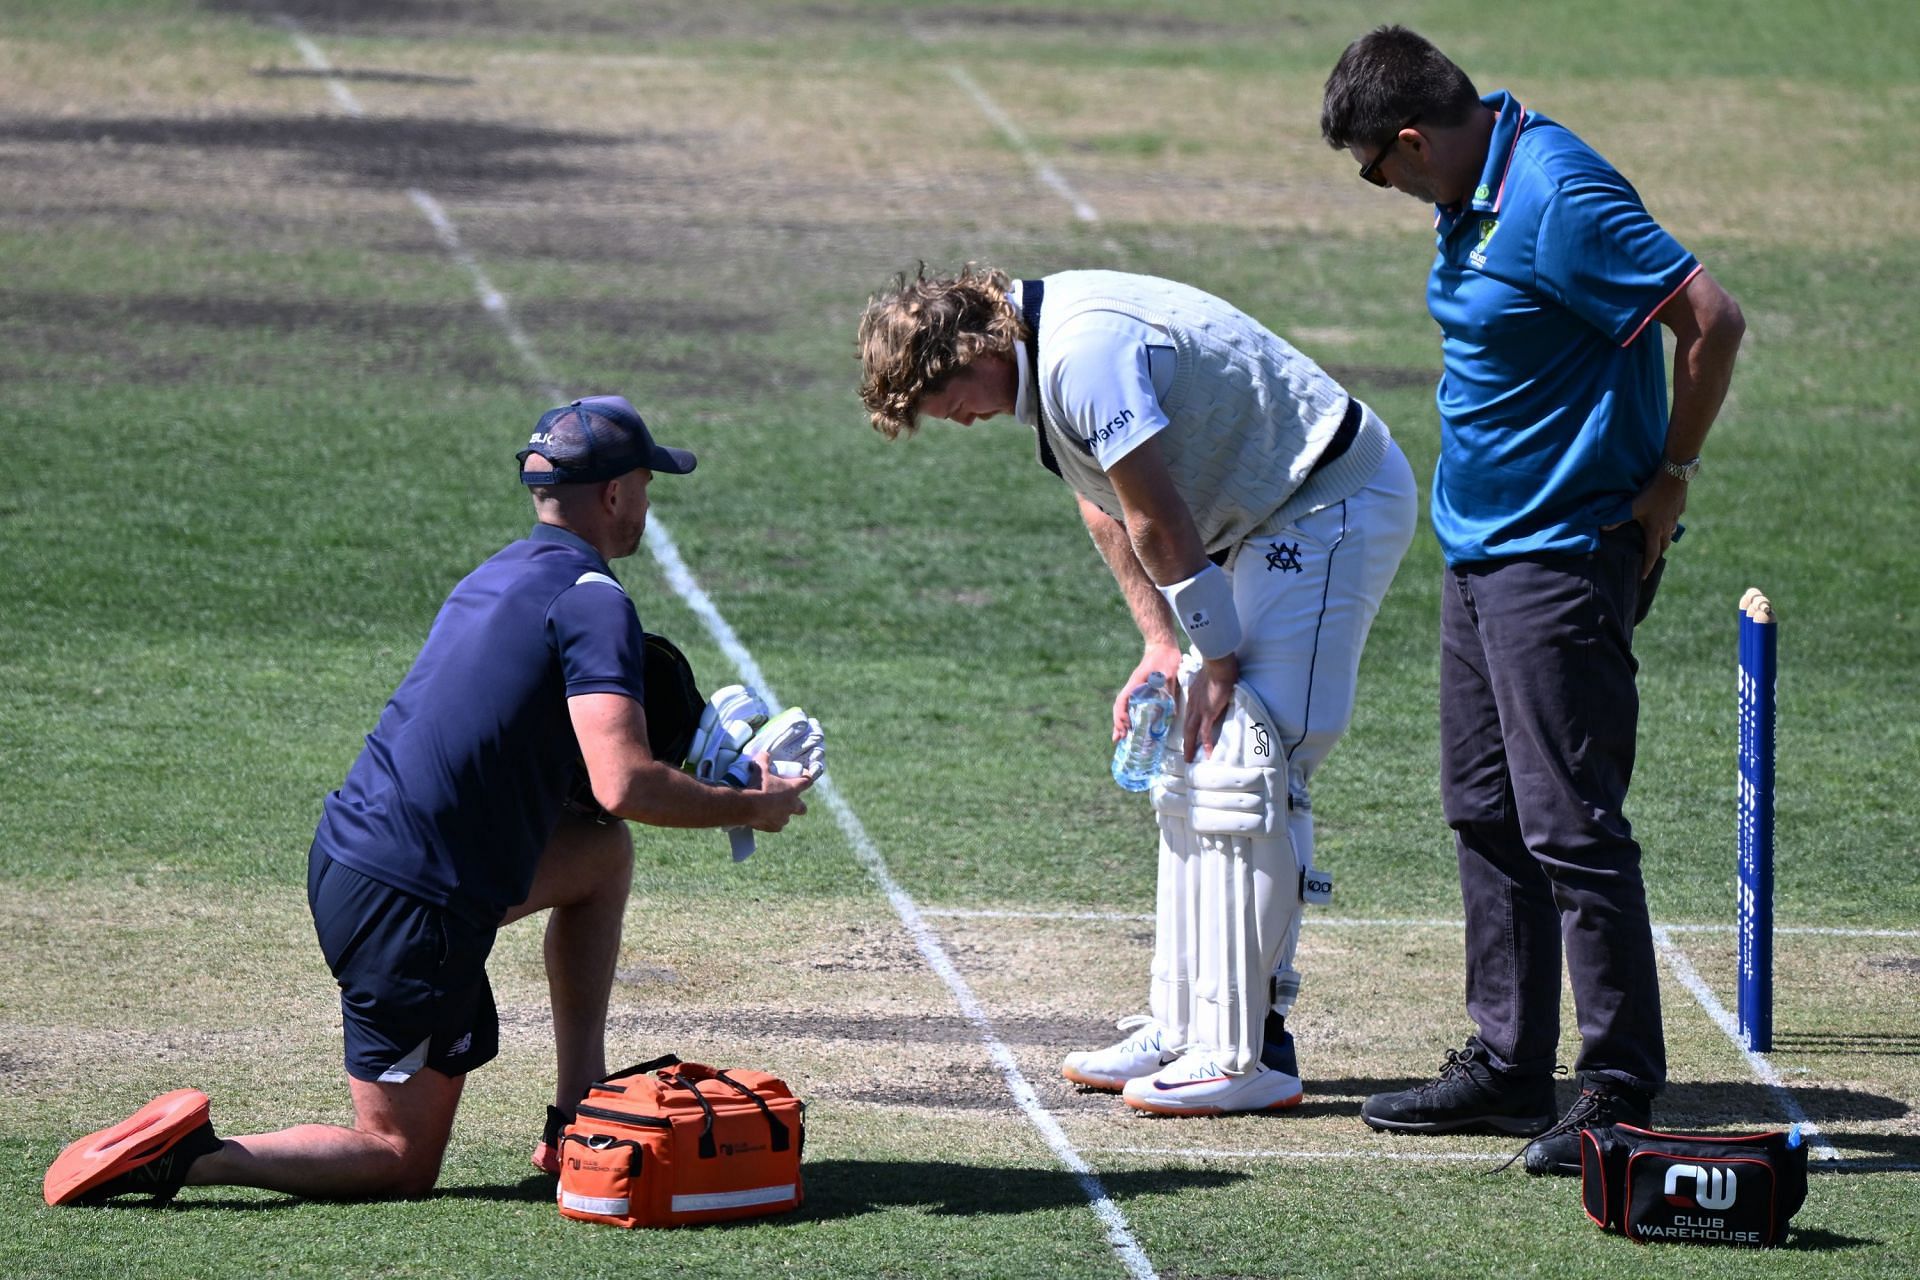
[609,1206]
[732,1199]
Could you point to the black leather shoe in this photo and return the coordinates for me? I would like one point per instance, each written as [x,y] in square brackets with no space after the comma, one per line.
[1601,1102]
[1469,1093]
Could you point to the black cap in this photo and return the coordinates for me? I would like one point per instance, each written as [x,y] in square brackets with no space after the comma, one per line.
[596,439]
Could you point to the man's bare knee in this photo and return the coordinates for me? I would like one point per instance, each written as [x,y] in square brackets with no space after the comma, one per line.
[583,863]
[413,1122]
[417,1175]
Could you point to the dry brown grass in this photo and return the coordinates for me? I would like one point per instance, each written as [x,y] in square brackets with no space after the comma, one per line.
[171,986]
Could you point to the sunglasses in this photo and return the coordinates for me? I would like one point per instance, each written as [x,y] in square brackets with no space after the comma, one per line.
[1370,171]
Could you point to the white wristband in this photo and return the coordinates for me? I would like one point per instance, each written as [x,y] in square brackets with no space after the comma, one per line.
[1204,606]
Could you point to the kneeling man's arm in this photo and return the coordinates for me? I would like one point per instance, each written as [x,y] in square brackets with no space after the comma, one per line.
[629,783]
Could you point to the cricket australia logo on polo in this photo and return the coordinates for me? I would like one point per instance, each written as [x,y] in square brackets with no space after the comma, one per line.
[1712,1188]
[1478,257]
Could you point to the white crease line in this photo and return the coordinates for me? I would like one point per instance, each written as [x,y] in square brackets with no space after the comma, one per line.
[1676,960]
[674,567]
[1852,1164]
[1119,1234]
[436,216]
[1703,995]
[1802,931]
[1200,1153]
[1042,170]
[318,61]
[971,913]
[1035,161]
[1359,922]
[490,298]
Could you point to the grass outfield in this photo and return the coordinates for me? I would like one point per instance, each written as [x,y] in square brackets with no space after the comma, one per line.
[264,422]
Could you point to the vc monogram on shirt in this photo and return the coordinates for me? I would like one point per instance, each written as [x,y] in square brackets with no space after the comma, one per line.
[1284,558]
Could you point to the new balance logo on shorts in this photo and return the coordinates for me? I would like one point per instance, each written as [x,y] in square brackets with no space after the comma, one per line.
[460,1046]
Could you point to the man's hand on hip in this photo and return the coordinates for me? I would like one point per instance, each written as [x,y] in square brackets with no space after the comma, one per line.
[1657,508]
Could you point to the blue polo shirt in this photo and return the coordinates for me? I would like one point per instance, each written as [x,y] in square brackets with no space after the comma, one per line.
[1553,403]
[461,782]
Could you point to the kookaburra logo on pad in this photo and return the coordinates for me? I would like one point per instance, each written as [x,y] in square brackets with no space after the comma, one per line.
[1260,739]
[1712,1188]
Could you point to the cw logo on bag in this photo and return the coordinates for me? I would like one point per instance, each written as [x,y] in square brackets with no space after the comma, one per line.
[1713,1188]
[687,1144]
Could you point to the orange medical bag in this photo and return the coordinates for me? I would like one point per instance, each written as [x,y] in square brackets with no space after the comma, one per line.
[685,1144]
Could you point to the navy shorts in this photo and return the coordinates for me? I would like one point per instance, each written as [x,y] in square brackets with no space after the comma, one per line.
[413,977]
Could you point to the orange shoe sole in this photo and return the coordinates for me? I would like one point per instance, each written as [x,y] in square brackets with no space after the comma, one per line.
[1068,1073]
[139,1139]
[1285,1105]
[546,1159]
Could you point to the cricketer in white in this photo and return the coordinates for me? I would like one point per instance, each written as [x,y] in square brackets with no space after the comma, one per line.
[1228,481]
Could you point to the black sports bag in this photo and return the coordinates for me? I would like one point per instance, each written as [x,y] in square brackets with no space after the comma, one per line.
[1693,1188]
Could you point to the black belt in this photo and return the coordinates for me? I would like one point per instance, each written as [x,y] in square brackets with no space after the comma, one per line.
[1342,438]
[1342,441]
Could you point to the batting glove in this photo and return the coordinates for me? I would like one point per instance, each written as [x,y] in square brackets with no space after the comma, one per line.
[795,747]
[726,726]
[795,744]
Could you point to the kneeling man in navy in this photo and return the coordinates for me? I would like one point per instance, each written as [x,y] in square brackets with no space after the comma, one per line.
[481,796]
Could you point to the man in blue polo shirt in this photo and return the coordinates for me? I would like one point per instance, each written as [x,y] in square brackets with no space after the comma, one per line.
[1562,477]
[464,813]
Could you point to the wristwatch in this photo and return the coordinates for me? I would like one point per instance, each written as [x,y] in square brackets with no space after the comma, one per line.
[1684,472]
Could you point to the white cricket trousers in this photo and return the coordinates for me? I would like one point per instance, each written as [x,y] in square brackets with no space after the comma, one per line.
[1307,597]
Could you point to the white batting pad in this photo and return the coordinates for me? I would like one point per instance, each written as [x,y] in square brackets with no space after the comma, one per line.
[1249,880]
[1176,900]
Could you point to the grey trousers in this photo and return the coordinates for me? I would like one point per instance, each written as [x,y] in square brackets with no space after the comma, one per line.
[1538,718]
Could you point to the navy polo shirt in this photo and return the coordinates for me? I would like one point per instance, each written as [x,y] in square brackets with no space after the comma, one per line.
[461,782]
[1553,403]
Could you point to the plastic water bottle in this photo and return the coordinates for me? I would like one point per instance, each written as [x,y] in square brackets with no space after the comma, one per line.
[1136,757]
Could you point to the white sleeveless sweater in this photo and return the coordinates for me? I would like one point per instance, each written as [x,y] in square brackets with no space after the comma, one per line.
[1248,416]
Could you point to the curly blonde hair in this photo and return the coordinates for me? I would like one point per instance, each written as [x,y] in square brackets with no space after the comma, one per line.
[923,330]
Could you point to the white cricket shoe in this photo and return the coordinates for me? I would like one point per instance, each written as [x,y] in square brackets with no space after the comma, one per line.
[1149,1048]
[1196,1085]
